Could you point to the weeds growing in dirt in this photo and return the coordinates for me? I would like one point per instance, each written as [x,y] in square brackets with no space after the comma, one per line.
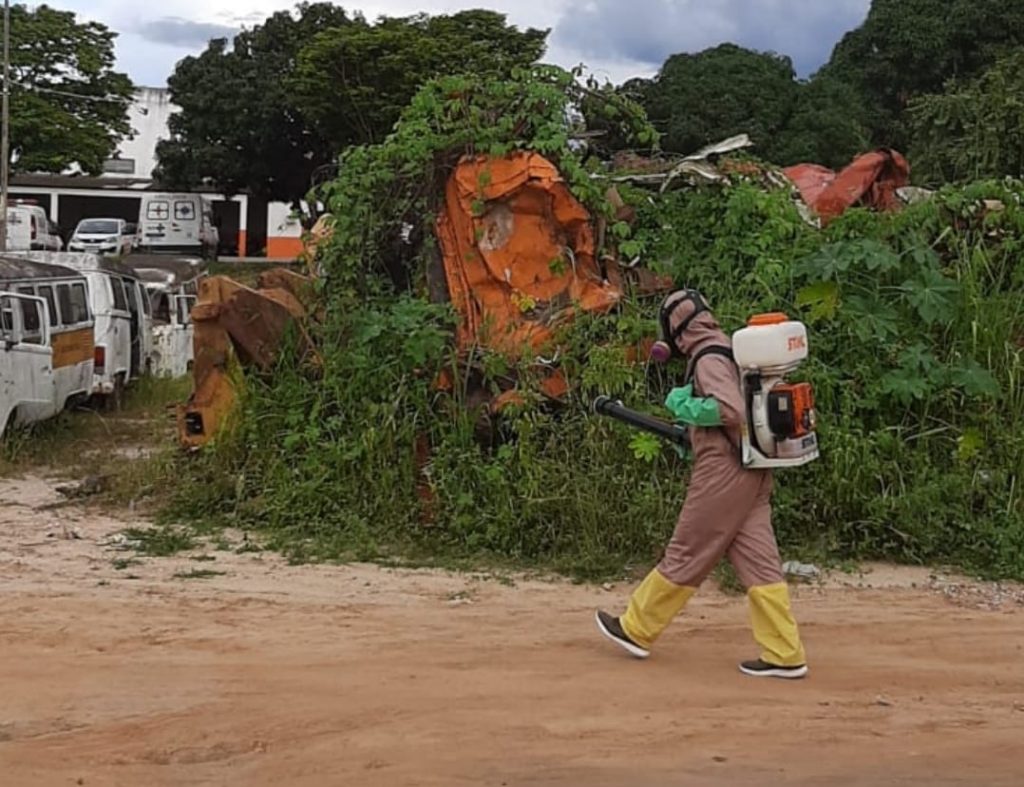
[86,439]
[161,541]
[198,573]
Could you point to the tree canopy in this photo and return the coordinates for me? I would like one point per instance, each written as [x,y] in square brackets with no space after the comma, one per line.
[825,127]
[68,104]
[720,92]
[909,48]
[702,98]
[883,87]
[352,82]
[292,93]
[282,101]
[975,129]
[237,127]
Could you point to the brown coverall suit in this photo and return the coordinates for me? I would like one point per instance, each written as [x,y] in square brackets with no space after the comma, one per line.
[727,513]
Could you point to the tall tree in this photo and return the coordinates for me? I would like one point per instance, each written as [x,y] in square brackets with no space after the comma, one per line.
[237,128]
[290,94]
[720,92]
[68,104]
[352,82]
[826,127]
[973,130]
[909,48]
[604,108]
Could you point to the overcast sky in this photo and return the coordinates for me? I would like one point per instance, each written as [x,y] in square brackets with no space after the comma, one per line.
[616,39]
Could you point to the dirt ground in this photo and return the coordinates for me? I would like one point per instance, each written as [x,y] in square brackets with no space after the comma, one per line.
[154,673]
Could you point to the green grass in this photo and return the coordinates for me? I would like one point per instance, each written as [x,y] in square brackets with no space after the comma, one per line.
[162,541]
[247,272]
[83,438]
[133,451]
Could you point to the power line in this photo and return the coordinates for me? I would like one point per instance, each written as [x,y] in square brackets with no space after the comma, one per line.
[66,94]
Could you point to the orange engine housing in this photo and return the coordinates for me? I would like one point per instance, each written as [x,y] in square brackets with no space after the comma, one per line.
[791,410]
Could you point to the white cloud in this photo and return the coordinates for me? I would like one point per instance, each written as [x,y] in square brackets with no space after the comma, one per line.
[648,31]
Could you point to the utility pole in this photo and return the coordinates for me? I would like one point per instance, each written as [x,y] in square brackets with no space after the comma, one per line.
[5,154]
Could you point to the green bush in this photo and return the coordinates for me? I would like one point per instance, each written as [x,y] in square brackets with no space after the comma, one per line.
[916,321]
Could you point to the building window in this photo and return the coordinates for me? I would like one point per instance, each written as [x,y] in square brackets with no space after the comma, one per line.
[119,166]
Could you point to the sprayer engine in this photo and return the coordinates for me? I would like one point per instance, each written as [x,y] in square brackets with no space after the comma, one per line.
[780,415]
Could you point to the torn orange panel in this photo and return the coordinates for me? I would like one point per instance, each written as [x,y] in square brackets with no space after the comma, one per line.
[639,352]
[443,381]
[870,180]
[811,180]
[518,251]
[554,386]
[507,399]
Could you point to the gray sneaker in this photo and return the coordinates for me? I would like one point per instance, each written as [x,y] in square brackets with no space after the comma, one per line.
[762,669]
[611,628]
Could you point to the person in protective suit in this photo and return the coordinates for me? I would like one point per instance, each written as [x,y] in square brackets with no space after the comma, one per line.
[727,511]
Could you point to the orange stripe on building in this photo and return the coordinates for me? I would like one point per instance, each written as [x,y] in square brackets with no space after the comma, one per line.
[73,347]
[284,248]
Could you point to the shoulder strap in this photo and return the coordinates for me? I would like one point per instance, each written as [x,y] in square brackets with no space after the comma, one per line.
[715,349]
[724,352]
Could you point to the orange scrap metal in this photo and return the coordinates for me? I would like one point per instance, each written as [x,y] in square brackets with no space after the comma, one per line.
[870,180]
[518,252]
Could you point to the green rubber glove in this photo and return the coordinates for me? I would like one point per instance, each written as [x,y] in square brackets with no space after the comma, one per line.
[693,410]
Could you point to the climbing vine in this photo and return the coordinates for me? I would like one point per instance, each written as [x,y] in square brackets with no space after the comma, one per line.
[386,197]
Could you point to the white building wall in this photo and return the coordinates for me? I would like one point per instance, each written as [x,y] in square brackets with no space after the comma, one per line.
[149,116]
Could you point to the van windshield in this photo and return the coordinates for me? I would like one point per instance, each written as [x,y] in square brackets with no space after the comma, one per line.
[98,227]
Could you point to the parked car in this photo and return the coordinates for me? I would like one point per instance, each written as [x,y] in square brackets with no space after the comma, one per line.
[29,228]
[177,223]
[108,237]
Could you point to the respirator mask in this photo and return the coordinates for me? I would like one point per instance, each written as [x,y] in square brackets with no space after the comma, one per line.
[667,348]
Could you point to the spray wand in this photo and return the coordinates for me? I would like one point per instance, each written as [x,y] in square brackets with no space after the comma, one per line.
[604,405]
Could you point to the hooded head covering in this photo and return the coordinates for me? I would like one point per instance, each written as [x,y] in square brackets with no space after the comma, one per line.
[703,329]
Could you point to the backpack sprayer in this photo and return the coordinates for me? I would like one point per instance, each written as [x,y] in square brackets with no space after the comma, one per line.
[779,431]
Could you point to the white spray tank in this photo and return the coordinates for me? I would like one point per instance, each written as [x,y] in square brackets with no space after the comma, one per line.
[781,417]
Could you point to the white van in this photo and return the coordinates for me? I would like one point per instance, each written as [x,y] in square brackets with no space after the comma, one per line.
[46,341]
[122,328]
[171,301]
[115,237]
[28,227]
[177,223]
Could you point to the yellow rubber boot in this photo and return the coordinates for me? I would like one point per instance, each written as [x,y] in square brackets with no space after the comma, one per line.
[774,627]
[652,607]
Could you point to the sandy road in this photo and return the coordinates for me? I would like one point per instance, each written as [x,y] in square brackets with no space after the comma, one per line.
[270,674]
